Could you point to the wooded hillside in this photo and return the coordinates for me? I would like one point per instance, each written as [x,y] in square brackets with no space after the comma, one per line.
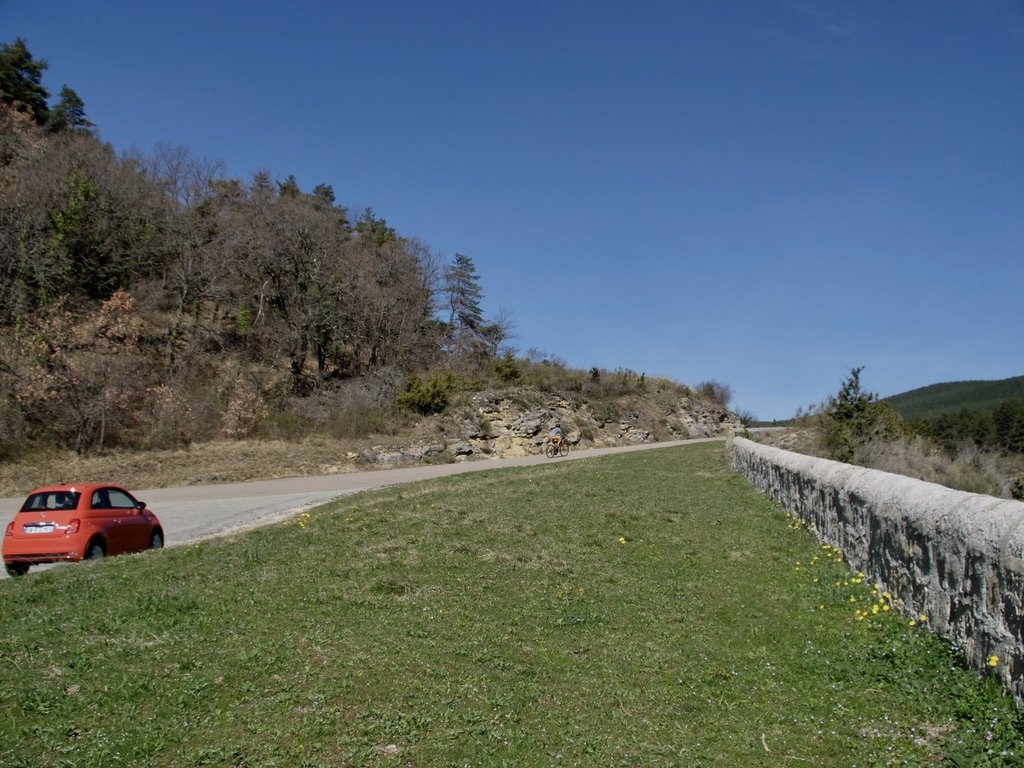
[927,403]
[150,301]
[987,414]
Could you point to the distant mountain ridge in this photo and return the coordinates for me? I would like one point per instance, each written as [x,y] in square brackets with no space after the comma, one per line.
[952,397]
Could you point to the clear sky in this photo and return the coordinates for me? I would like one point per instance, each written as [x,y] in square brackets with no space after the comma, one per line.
[763,193]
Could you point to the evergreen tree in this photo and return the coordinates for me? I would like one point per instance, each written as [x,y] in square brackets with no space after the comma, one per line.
[69,113]
[465,321]
[375,229]
[262,185]
[289,187]
[21,79]
[324,192]
[1008,420]
[462,285]
[853,417]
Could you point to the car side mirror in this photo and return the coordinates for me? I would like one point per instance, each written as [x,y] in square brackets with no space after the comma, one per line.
[140,506]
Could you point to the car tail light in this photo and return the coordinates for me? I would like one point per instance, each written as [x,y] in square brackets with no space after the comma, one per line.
[72,527]
[10,529]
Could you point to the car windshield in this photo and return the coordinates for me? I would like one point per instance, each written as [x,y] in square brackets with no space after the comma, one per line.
[51,500]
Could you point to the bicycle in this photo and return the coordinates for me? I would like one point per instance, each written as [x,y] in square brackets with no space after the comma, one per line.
[557,446]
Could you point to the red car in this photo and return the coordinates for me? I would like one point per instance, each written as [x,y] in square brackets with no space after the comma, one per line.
[78,522]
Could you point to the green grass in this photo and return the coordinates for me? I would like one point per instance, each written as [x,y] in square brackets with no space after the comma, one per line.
[646,609]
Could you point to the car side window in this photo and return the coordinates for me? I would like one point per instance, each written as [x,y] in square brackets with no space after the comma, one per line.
[120,499]
[100,499]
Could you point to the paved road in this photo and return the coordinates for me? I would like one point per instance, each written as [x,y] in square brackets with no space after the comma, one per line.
[196,512]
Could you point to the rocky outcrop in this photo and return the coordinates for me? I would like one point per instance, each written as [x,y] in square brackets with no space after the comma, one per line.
[516,422]
[955,557]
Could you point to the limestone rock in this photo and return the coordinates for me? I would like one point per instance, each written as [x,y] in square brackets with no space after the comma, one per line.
[462,448]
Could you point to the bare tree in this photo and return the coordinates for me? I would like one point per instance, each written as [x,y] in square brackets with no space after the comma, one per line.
[183,178]
[391,304]
[80,376]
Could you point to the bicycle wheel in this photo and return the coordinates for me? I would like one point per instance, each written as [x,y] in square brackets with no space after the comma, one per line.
[551,451]
[563,448]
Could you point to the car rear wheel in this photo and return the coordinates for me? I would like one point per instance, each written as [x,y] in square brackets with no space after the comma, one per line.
[94,551]
[16,569]
[156,541]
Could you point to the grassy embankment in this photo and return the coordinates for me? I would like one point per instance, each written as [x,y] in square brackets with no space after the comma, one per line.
[643,609]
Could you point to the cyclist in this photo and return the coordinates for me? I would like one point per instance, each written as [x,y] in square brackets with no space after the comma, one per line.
[557,446]
[555,435]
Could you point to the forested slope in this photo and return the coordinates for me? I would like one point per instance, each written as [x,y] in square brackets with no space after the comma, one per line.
[950,397]
[147,300]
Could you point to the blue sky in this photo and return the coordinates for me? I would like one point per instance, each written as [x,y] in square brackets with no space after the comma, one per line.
[765,194]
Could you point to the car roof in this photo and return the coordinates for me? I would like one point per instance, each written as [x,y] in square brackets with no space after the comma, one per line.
[73,487]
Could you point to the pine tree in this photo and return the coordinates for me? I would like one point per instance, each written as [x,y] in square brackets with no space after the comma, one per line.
[21,79]
[289,187]
[853,417]
[465,321]
[69,113]
[374,229]
[324,192]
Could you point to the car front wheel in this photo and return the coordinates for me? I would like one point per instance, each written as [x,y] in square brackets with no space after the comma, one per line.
[95,551]
[16,569]
[156,541]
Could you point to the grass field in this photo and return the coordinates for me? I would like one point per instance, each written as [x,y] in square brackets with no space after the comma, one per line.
[645,609]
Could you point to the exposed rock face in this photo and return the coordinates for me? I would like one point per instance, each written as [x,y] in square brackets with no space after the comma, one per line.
[509,424]
[955,557]
[516,423]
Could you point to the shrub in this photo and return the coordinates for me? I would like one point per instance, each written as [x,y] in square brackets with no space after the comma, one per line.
[426,397]
[507,369]
[552,376]
[716,392]
[852,418]
[169,417]
[244,411]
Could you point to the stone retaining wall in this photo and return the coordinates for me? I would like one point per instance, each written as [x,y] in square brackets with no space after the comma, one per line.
[955,557]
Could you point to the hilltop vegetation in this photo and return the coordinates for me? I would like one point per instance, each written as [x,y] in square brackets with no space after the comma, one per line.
[148,301]
[971,450]
[929,403]
[988,415]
